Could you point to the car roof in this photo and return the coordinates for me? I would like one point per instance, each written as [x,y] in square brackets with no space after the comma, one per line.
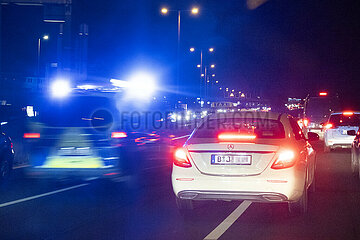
[246,114]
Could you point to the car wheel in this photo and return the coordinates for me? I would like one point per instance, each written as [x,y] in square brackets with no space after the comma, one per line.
[184,204]
[300,207]
[5,169]
[354,164]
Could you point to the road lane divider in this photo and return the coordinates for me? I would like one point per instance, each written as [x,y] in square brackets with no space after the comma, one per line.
[42,195]
[224,225]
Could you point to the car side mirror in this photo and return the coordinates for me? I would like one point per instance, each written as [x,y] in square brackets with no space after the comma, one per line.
[312,137]
[351,132]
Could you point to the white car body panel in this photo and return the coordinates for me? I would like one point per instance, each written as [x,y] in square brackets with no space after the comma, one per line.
[337,137]
[256,182]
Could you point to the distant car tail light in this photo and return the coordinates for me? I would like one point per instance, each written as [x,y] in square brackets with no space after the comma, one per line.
[285,159]
[328,126]
[235,137]
[306,122]
[181,158]
[31,135]
[348,113]
[118,135]
[323,93]
[303,122]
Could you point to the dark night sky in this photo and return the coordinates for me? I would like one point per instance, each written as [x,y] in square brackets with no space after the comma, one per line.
[283,48]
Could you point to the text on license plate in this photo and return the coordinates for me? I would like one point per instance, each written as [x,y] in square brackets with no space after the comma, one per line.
[231,159]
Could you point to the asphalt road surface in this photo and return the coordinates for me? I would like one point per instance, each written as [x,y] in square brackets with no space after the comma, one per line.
[97,209]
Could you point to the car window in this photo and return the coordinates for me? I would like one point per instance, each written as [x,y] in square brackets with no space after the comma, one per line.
[262,128]
[345,120]
[296,129]
[79,111]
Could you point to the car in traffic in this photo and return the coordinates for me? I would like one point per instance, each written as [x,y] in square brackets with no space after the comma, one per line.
[6,155]
[80,137]
[355,152]
[256,156]
[336,128]
[317,110]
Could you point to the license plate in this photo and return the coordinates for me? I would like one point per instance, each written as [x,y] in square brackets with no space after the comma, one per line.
[73,151]
[231,159]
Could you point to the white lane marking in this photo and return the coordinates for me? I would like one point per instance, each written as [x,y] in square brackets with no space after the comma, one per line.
[221,229]
[42,195]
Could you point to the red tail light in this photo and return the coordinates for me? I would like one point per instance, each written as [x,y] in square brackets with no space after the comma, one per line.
[118,135]
[285,159]
[181,158]
[235,137]
[31,135]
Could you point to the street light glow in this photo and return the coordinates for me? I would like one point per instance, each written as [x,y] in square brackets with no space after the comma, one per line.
[195,10]
[198,66]
[60,88]
[213,75]
[164,10]
[46,37]
[211,49]
[141,86]
[192,49]
[212,65]
[202,74]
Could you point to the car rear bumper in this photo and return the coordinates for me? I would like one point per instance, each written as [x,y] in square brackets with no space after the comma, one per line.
[227,195]
[35,172]
[275,185]
[338,143]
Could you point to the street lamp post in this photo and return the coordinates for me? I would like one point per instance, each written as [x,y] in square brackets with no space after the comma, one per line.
[45,37]
[203,72]
[193,11]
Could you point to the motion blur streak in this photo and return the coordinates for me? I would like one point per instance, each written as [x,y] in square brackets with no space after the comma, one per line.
[253,4]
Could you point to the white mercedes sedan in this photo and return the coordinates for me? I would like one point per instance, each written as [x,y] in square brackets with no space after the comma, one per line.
[256,156]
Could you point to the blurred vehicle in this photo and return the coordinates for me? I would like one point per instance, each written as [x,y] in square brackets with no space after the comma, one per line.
[355,153]
[6,155]
[317,111]
[79,137]
[335,135]
[256,156]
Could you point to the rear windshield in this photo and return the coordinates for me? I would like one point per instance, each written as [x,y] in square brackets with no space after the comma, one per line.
[319,108]
[343,120]
[262,128]
[78,111]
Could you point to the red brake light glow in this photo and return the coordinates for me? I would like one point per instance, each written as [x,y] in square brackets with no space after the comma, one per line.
[235,136]
[118,135]
[181,158]
[348,113]
[285,159]
[31,135]
[323,93]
